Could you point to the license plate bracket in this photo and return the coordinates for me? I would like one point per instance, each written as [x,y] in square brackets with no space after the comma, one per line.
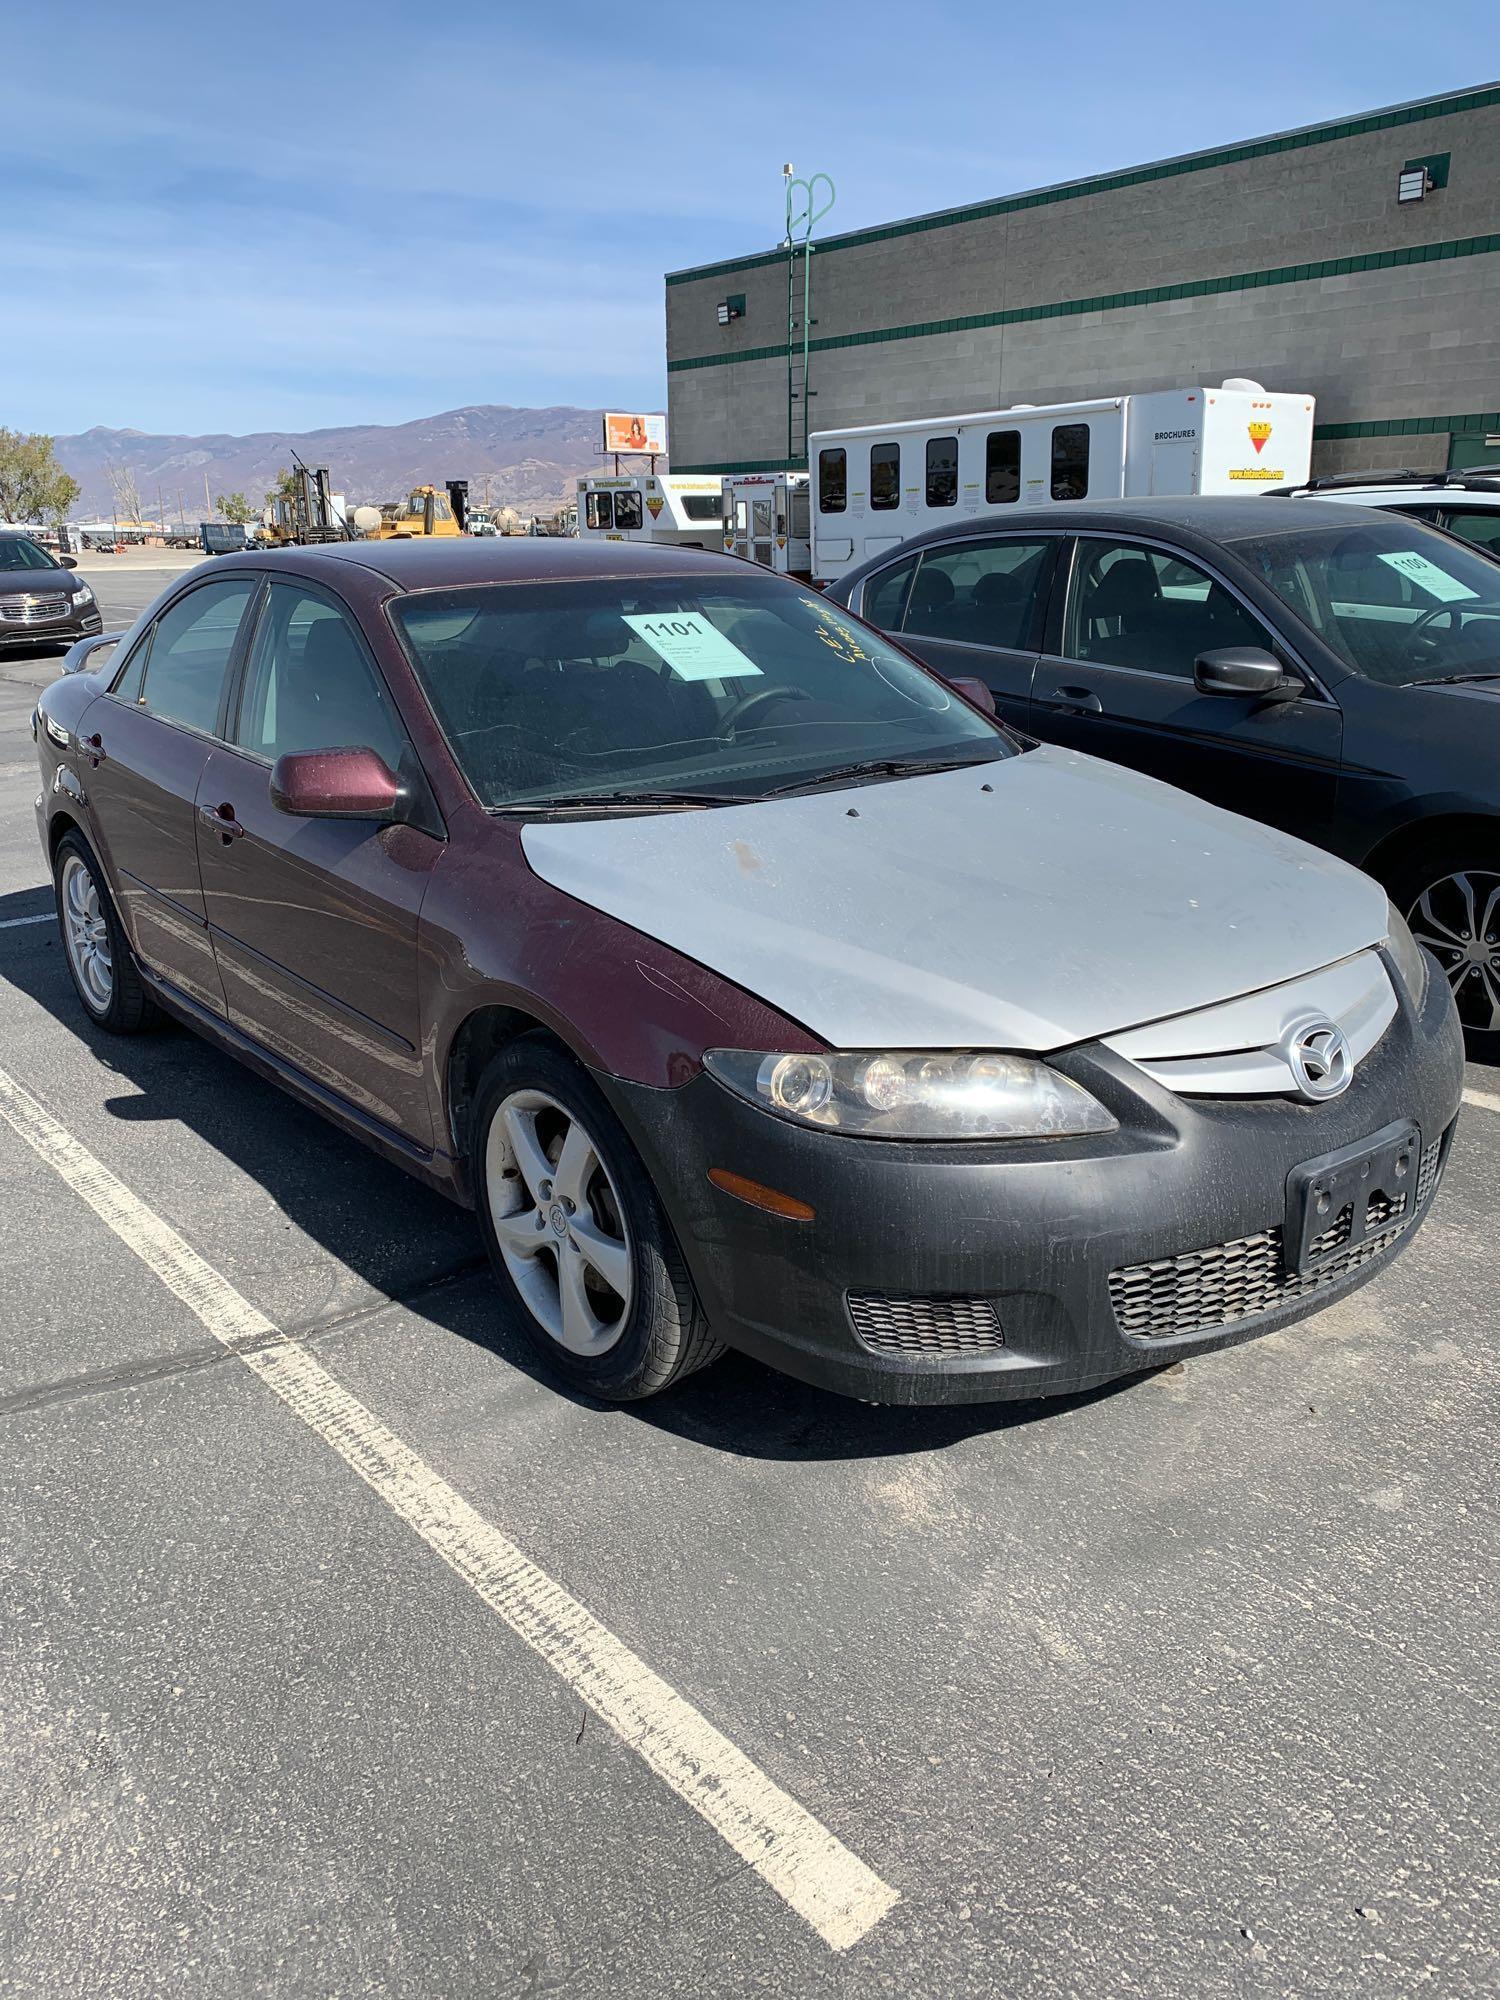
[1318,1191]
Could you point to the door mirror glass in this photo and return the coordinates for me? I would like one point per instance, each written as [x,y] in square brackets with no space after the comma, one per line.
[972,690]
[67,562]
[348,783]
[1244,670]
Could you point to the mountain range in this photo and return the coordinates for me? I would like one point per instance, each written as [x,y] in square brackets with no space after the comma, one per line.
[531,457]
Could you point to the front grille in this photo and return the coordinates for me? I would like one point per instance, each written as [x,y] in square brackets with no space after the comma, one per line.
[1205,1289]
[33,610]
[916,1325]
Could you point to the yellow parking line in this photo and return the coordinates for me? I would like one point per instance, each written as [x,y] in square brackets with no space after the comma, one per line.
[790,1850]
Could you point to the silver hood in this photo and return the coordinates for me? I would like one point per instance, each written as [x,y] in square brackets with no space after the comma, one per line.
[1027,904]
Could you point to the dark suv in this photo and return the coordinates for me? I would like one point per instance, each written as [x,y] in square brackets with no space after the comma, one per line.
[1326,668]
[40,604]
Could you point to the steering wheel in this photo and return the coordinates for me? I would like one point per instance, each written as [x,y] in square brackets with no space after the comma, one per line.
[738,711]
[1418,629]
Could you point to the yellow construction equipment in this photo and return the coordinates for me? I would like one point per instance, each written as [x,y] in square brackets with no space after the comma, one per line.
[424,511]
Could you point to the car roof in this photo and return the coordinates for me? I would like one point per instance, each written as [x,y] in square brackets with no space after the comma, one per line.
[1213,517]
[441,562]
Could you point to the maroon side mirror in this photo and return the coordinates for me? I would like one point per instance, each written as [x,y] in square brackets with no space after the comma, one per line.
[972,690]
[335,784]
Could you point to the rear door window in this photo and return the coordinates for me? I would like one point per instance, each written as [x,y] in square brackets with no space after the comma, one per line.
[191,646]
[599,510]
[981,593]
[628,510]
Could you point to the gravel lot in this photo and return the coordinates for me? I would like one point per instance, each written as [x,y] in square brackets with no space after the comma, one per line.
[1181,1689]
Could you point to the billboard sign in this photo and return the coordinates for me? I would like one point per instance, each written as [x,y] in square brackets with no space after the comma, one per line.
[628,431]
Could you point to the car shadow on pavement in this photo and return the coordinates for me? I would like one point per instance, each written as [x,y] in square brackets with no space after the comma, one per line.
[422,1252]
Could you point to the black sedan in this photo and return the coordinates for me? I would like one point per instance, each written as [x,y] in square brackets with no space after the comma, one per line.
[40,603]
[1326,668]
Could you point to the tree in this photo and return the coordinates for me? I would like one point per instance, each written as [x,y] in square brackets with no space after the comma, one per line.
[33,486]
[235,507]
[127,495]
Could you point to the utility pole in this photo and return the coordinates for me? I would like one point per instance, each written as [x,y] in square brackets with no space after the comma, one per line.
[161,509]
[181,510]
[207,496]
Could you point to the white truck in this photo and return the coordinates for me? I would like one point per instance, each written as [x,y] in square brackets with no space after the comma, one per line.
[876,485]
[669,507]
[766,520]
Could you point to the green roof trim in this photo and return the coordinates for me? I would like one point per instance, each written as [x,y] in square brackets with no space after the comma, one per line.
[1480,99]
[1198,288]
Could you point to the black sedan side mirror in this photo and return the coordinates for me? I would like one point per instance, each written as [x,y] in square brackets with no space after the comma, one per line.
[67,562]
[1244,670]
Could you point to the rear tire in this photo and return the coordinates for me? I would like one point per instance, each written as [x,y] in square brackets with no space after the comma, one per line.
[1446,893]
[94,944]
[580,1246]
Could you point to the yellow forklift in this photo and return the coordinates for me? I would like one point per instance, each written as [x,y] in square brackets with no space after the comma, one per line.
[308,512]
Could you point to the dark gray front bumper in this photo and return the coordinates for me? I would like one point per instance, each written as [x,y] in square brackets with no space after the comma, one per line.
[941,1273]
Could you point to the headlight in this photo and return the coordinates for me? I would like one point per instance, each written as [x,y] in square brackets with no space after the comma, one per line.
[1411,960]
[900,1095]
[84,595]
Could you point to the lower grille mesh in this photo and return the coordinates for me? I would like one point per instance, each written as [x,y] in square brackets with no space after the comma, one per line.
[892,1324]
[1203,1289]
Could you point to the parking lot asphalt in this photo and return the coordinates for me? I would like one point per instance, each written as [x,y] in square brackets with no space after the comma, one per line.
[1184,1688]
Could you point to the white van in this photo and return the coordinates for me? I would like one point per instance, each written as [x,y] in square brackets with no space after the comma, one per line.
[881,483]
[766,520]
[684,508]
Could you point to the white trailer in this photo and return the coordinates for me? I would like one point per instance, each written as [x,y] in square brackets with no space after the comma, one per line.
[668,507]
[876,485]
[766,520]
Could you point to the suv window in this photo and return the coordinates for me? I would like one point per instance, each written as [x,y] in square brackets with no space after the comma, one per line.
[977,593]
[189,654]
[1138,607]
[309,685]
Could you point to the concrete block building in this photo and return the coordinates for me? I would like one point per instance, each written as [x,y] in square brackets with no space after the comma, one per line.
[1358,259]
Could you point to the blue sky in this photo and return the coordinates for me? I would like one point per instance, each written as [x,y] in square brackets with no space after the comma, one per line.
[255,215]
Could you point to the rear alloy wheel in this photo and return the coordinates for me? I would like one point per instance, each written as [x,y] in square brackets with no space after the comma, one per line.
[99,960]
[1456,916]
[575,1231]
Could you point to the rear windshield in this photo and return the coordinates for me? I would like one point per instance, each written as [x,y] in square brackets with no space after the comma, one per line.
[1398,602]
[16,552]
[734,685]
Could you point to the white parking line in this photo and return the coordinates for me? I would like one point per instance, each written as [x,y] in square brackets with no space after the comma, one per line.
[785,1845]
[14,923]
[1485,1099]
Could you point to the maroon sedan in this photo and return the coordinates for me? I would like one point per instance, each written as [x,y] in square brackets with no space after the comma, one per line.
[751,983]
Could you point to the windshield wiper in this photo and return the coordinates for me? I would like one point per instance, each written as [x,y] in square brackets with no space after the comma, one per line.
[626,801]
[1457,680]
[877,767]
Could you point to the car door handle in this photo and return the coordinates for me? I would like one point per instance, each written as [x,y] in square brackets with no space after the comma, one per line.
[92,748]
[222,820]
[1076,700]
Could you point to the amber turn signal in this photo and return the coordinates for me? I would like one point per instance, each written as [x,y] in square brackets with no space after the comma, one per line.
[770,1199]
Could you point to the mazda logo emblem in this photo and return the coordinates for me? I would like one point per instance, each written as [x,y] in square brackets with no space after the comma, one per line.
[1317,1054]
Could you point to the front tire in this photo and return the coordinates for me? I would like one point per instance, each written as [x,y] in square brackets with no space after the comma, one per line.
[1451,900]
[580,1246]
[94,943]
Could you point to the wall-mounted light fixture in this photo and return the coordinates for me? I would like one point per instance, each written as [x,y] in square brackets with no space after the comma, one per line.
[1420,178]
[731,308]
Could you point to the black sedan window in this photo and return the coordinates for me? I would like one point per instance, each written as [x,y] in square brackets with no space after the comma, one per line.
[20,552]
[1397,602]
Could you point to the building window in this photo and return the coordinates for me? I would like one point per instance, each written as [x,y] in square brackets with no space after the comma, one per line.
[833,481]
[885,476]
[1070,462]
[1002,468]
[627,509]
[599,510]
[942,472]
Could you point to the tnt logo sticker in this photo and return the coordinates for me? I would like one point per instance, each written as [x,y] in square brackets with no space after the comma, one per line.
[1258,435]
[655,503]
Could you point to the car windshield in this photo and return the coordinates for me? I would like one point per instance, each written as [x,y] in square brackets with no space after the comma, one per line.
[730,685]
[16,552]
[1398,602]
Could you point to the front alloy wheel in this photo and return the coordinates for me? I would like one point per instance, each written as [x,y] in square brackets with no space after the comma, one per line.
[1457,919]
[576,1233]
